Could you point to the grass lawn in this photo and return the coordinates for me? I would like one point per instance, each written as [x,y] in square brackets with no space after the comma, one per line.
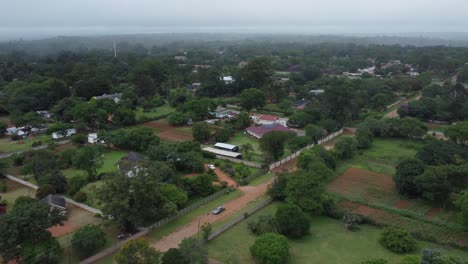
[15,190]
[328,242]
[109,163]
[261,179]
[159,111]
[241,138]
[6,145]
[382,157]
[157,234]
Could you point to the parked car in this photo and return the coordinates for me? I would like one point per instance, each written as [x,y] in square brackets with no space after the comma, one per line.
[211,166]
[218,210]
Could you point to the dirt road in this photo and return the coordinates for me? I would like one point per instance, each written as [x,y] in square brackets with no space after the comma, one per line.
[394,113]
[251,193]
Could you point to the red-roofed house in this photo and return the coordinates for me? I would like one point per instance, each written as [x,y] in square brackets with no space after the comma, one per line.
[259,131]
[269,120]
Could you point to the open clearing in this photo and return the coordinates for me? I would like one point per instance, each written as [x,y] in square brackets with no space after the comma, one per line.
[15,190]
[77,218]
[328,242]
[170,133]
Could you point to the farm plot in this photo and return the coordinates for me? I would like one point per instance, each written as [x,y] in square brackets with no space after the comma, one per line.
[170,133]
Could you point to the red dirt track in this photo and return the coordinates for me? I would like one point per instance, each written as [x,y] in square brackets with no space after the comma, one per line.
[168,132]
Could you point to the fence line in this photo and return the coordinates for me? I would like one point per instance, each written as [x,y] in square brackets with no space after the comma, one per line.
[113,248]
[238,219]
[297,153]
[23,182]
[245,162]
[186,210]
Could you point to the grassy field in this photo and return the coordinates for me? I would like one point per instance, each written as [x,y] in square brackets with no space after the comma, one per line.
[159,111]
[328,242]
[6,145]
[241,138]
[15,190]
[382,157]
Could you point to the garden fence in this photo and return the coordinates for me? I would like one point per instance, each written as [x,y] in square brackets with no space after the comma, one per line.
[238,219]
[297,153]
[245,162]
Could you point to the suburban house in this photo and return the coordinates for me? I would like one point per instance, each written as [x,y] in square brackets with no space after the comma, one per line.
[130,164]
[44,114]
[93,139]
[227,147]
[19,131]
[300,104]
[55,202]
[117,97]
[225,153]
[222,112]
[317,91]
[259,131]
[227,79]
[64,133]
[269,120]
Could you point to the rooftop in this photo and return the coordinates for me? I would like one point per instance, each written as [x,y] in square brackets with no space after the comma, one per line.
[261,130]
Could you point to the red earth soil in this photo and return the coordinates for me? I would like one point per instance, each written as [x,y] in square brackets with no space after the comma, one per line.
[433,212]
[168,132]
[61,147]
[58,231]
[402,204]
[354,181]
[290,166]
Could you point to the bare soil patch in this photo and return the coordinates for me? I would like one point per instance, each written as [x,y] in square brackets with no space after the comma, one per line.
[77,218]
[364,184]
[168,132]
[290,166]
[402,204]
[434,212]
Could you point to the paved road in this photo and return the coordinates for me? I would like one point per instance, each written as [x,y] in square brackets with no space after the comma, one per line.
[8,154]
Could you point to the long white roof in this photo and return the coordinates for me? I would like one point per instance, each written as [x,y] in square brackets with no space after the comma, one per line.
[225,146]
[223,152]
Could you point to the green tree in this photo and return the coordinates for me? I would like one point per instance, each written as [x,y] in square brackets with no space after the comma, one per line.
[308,158]
[434,184]
[174,256]
[137,251]
[242,121]
[174,194]
[88,240]
[3,166]
[41,162]
[124,117]
[178,119]
[398,240]
[458,133]
[462,205]
[134,201]
[206,229]
[277,190]
[292,222]
[193,251]
[313,132]
[88,159]
[56,179]
[263,224]
[3,127]
[306,189]
[273,144]
[136,139]
[258,73]
[437,152]
[46,251]
[364,138]
[25,224]
[201,132]
[246,148]
[224,134]
[345,147]
[270,248]
[252,99]
[406,172]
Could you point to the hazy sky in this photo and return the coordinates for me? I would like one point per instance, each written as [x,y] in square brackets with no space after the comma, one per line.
[35,17]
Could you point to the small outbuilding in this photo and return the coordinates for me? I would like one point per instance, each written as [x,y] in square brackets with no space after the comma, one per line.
[55,201]
[227,147]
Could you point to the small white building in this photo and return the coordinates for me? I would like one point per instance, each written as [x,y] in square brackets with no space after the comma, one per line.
[117,97]
[65,133]
[93,139]
[222,112]
[228,79]
[44,114]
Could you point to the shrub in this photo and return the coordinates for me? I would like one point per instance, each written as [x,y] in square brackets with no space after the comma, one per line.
[263,224]
[173,256]
[398,240]
[206,230]
[270,248]
[88,240]
[18,159]
[79,139]
[36,144]
[3,187]
[292,222]
[351,221]
[411,259]
[45,190]
[80,197]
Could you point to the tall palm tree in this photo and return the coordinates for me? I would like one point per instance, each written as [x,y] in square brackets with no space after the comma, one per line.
[247,149]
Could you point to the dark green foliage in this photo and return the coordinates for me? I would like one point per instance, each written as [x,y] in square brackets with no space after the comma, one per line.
[178,119]
[292,222]
[124,117]
[193,251]
[406,172]
[137,139]
[313,132]
[398,240]
[298,143]
[47,252]
[174,194]
[88,240]
[313,155]
[277,190]
[79,139]
[458,133]
[306,189]
[252,99]
[436,183]
[364,138]
[174,256]
[88,159]
[345,147]
[272,144]
[76,182]
[263,224]
[80,197]
[201,132]
[45,190]
[56,179]
[433,256]
[270,248]
[138,251]
[462,204]
[442,153]
[351,221]
[224,134]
